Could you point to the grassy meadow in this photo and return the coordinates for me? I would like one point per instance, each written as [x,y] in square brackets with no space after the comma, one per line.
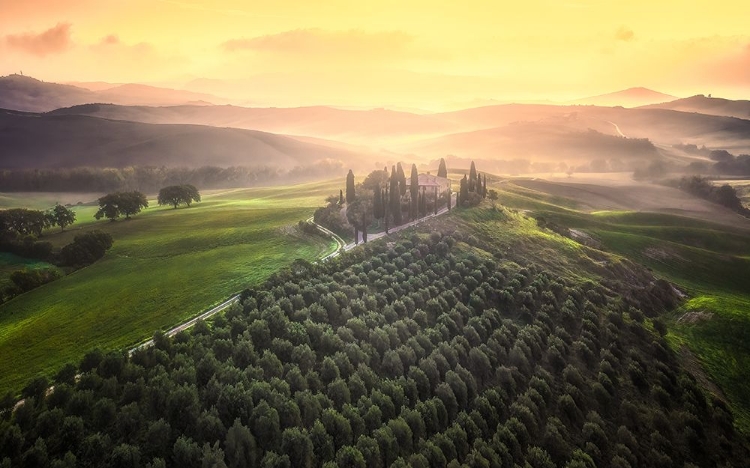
[166,265]
[709,262]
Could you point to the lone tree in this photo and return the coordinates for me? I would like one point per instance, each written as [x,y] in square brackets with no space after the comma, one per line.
[112,205]
[61,216]
[350,195]
[442,169]
[176,194]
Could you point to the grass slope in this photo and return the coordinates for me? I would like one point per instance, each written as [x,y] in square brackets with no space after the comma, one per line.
[166,265]
[709,262]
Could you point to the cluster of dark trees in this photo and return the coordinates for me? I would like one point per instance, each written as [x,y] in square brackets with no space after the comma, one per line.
[28,279]
[472,190]
[425,353]
[149,178]
[391,200]
[178,194]
[724,195]
[20,229]
[85,249]
[21,222]
[114,205]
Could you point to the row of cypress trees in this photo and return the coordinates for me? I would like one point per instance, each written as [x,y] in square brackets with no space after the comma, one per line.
[386,200]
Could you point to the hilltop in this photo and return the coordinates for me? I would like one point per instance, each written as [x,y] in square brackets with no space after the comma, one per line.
[707,105]
[631,97]
[24,93]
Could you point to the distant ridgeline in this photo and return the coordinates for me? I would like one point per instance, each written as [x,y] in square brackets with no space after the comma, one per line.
[151,179]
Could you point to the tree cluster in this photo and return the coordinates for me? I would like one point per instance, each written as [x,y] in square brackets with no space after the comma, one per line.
[178,194]
[388,199]
[86,248]
[425,353]
[114,205]
[28,279]
[472,190]
[724,195]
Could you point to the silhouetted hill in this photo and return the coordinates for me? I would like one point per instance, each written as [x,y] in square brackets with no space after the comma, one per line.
[707,105]
[27,94]
[355,126]
[631,97]
[56,141]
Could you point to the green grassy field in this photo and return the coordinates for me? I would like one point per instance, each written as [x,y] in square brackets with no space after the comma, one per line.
[166,265]
[709,262]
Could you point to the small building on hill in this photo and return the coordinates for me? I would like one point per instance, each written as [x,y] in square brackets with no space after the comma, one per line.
[431,182]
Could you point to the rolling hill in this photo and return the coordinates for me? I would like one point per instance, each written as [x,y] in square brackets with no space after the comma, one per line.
[354,126]
[631,97]
[707,105]
[37,141]
[27,94]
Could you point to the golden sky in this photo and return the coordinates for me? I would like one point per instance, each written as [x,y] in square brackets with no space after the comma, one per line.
[421,53]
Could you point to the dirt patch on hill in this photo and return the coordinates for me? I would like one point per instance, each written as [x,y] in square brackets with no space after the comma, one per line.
[661,254]
[695,316]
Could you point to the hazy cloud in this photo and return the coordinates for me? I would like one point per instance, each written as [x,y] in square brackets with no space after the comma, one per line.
[318,41]
[110,39]
[52,41]
[624,34]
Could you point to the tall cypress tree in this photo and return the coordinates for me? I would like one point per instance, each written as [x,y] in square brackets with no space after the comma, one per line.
[350,187]
[472,177]
[442,169]
[484,186]
[377,203]
[414,188]
[341,197]
[395,198]
[449,198]
[464,190]
[386,202]
[401,179]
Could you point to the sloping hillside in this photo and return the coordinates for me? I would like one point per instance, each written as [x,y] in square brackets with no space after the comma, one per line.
[50,141]
[631,97]
[27,94]
[318,121]
[707,105]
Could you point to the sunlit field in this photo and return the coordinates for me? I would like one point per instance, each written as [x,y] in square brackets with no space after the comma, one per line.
[166,265]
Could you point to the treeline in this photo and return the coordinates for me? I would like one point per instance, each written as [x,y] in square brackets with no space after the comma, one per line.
[723,162]
[150,179]
[724,195]
[426,353]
